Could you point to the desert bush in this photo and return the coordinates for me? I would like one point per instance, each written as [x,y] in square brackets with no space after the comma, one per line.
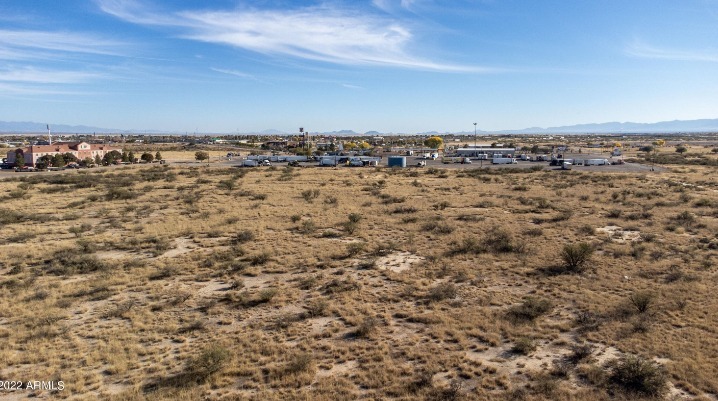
[367,327]
[71,261]
[498,240]
[260,258]
[437,227]
[120,194]
[614,213]
[466,245]
[317,307]
[576,256]
[523,346]
[405,210]
[579,352]
[355,248]
[211,359]
[310,194]
[642,300]
[442,291]
[638,375]
[355,217]
[684,219]
[530,309]
[441,205]
[242,237]
[299,363]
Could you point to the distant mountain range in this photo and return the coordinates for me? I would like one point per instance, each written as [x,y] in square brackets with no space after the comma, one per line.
[676,126]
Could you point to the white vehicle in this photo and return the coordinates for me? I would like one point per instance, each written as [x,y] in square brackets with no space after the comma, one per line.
[421,163]
[566,166]
[596,162]
[434,156]
[328,161]
[465,160]
[503,160]
[266,163]
[356,163]
[525,157]
[249,163]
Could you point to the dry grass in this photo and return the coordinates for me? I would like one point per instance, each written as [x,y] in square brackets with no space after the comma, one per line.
[191,288]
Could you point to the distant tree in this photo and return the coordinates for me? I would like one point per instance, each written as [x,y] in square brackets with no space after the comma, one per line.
[131,157]
[201,156]
[535,149]
[714,150]
[147,157]
[434,142]
[681,149]
[58,160]
[158,155]
[19,158]
[659,142]
[112,157]
[125,157]
[69,158]
[43,162]
[364,145]
[647,148]
[98,160]
[86,161]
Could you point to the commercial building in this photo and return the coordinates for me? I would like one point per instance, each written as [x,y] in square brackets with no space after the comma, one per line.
[80,150]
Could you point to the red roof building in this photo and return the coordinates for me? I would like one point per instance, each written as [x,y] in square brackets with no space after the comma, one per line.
[81,150]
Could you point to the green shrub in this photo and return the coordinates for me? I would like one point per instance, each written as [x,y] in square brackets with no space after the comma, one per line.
[639,375]
[576,256]
[529,310]
[442,291]
[210,360]
[523,346]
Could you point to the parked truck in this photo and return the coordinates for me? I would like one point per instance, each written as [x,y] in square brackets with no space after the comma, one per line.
[503,160]
[596,162]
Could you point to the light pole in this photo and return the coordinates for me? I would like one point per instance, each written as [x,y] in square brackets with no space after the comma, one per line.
[475,137]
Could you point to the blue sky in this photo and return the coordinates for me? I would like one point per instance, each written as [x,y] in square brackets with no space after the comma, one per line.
[400,66]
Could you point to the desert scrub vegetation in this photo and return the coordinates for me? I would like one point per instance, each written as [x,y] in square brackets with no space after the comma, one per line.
[393,291]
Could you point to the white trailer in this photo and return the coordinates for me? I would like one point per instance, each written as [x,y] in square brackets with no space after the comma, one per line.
[596,162]
[249,163]
[503,160]
[328,160]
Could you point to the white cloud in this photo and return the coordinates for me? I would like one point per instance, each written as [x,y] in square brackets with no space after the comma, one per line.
[235,73]
[38,76]
[355,87]
[642,50]
[323,33]
[16,43]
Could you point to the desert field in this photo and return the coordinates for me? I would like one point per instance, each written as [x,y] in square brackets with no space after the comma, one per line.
[188,282]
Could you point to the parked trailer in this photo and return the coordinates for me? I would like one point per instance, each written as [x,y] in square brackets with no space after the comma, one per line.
[597,162]
[328,161]
[566,166]
[503,160]
[250,163]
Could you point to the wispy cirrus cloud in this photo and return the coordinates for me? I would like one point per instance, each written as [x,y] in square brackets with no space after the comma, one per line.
[235,73]
[18,42]
[323,33]
[43,76]
[354,87]
[640,49]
